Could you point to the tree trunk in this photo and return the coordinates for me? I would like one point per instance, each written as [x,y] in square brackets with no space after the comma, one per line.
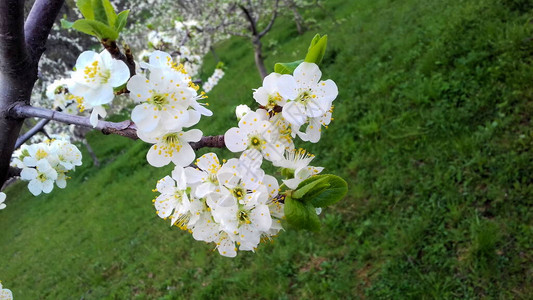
[258,55]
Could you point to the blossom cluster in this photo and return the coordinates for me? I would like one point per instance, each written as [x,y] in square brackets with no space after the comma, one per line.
[5,294]
[168,103]
[46,163]
[235,204]
[213,80]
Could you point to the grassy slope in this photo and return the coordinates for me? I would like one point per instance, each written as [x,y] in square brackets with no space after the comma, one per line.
[432,131]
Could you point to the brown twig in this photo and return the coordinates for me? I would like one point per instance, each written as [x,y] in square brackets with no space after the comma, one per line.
[125,128]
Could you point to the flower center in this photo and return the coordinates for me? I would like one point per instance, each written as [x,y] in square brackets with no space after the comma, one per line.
[243,217]
[238,192]
[305,96]
[41,154]
[159,100]
[256,142]
[273,100]
[42,177]
[93,71]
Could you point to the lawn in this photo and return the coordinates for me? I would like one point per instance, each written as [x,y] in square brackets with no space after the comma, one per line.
[432,131]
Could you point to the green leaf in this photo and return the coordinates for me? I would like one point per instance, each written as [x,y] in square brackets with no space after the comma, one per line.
[110,12]
[311,185]
[66,24]
[122,18]
[86,8]
[95,28]
[100,11]
[301,215]
[287,68]
[321,197]
[317,49]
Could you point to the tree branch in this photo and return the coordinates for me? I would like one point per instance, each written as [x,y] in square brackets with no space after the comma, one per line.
[112,47]
[250,19]
[13,172]
[28,134]
[271,23]
[38,25]
[125,128]
[13,53]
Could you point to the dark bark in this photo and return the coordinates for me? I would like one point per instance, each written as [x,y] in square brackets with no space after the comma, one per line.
[258,57]
[28,134]
[257,35]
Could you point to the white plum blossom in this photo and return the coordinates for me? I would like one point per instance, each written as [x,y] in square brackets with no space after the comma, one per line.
[276,90]
[2,204]
[205,176]
[92,82]
[46,162]
[95,77]
[296,164]
[5,294]
[314,97]
[57,91]
[173,200]
[213,80]
[255,133]
[38,152]
[171,147]
[41,178]
[168,100]
[241,111]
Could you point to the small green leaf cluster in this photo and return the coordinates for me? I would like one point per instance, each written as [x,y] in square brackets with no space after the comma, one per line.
[315,192]
[100,19]
[315,54]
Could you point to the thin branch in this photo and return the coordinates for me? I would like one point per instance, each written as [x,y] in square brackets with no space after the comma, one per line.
[35,129]
[250,19]
[112,47]
[271,23]
[125,128]
[38,25]
[13,172]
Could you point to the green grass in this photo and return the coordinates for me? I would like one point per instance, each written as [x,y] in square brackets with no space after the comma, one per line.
[432,131]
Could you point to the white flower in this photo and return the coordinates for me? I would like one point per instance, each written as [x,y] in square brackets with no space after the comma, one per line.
[241,111]
[314,98]
[276,90]
[296,166]
[173,200]
[314,129]
[67,154]
[2,206]
[255,133]
[213,80]
[5,294]
[38,152]
[41,178]
[95,77]
[205,177]
[171,147]
[57,92]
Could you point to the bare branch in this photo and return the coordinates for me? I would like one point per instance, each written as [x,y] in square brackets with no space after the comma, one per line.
[13,172]
[125,128]
[112,47]
[253,25]
[35,129]
[38,25]
[271,23]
